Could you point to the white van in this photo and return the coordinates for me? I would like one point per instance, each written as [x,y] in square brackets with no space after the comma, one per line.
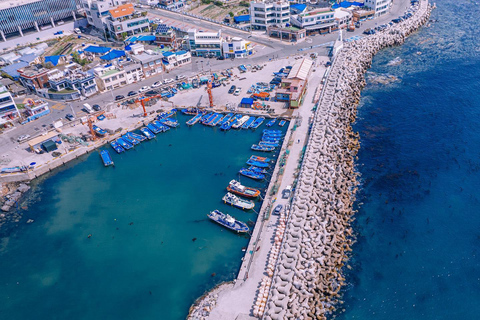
[77,31]
[87,108]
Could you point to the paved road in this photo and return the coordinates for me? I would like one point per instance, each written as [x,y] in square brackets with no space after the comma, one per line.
[266,49]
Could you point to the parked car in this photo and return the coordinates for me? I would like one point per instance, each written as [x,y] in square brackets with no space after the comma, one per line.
[96,107]
[168,80]
[132,93]
[150,93]
[221,58]
[181,77]
[119,97]
[232,89]
[69,117]
[23,138]
[287,192]
[143,89]
[237,91]
[277,209]
[157,84]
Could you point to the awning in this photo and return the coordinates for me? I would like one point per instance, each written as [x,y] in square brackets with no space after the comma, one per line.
[248,101]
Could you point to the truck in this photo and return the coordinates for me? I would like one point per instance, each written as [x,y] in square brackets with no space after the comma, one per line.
[87,108]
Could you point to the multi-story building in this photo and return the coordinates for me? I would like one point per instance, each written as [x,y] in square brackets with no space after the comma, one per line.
[72,80]
[133,71]
[379,6]
[269,13]
[22,15]
[165,36]
[36,108]
[171,4]
[148,2]
[176,59]
[97,11]
[314,21]
[237,48]
[294,87]
[111,77]
[151,63]
[34,78]
[8,109]
[125,21]
[204,44]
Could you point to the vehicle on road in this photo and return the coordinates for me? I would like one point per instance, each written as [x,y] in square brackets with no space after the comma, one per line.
[132,93]
[277,209]
[87,108]
[119,97]
[232,89]
[287,192]
[58,33]
[96,107]
[221,58]
[23,138]
[143,89]
[77,30]
[168,80]
[157,84]
[237,91]
[181,77]
[150,93]
[69,117]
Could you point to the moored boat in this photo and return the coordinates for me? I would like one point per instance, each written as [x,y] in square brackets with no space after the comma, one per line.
[257,163]
[106,158]
[228,221]
[167,114]
[225,119]
[271,122]
[226,126]
[99,131]
[215,120]
[117,147]
[282,123]
[240,122]
[161,126]
[248,123]
[153,128]
[125,144]
[251,174]
[257,123]
[147,133]
[237,188]
[260,159]
[130,140]
[262,148]
[268,144]
[194,120]
[137,136]
[235,201]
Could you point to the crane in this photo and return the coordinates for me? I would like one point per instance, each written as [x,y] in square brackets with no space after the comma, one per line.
[90,127]
[209,91]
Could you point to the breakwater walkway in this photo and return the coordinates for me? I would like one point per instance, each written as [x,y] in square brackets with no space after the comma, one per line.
[308,275]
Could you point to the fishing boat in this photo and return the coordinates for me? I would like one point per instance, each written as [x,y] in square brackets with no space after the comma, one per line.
[247,192]
[257,122]
[257,169]
[256,147]
[225,119]
[99,130]
[209,118]
[269,131]
[271,122]
[259,159]
[228,221]
[226,126]
[191,111]
[240,122]
[169,122]
[271,138]
[125,144]
[248,123]
[167,114]
[137,136]
[117,147]
[235,201]
[130,140]
[106,158]
[194,120]
[153,128]
[205,117]
[215,120]
[147,133]
[267,144]
[252,174]
[160,126]
[282,123]
[257,163]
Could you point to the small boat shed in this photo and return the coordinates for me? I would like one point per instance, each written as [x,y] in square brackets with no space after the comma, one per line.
[246,103]
[40,141]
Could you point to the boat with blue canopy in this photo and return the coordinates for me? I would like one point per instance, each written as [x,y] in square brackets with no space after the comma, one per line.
[228,221]
[153,128]
[117,147]
[137,136]
[225,119]
[271,122]
[194,120]
[256,147]
[147,133]
[268,144]
[99,130]
[248,123]
[106,158]
[257,163]
[257,123]
[130,140]
[251,174]
[215,120]
[282,123]
[125,144]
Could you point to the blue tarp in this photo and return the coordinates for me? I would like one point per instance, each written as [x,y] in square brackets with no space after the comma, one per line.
[96,49]
[146,38]
[298,7]
[11,70]
[114,54]
[248,101]
[244,18]
[132,39]
[53,59]
[180,52]
[128,48]
[346,4]
[168,54]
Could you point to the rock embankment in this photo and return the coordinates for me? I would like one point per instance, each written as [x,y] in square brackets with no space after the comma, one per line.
[308,277]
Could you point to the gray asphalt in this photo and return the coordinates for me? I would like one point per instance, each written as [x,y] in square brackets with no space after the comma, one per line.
[266,49]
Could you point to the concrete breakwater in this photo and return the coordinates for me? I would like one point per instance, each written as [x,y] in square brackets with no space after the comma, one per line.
[308,277]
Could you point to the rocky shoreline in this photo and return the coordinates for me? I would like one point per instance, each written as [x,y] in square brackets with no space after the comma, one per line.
[11,194]
[308,275]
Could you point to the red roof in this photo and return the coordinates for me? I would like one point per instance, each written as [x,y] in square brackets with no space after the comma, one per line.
[121,11]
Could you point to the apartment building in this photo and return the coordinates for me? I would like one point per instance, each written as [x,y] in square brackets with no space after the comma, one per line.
[72,80]
[204,44]
[125,21]
[33,78]
[151,63]
[97,11]
[8,108]
[269,13]
[237,48]
[380,7]
[110,77]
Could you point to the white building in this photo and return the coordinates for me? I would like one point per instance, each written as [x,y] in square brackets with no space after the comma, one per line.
[176,59]
[8,108]
[125,20]
[97,11]
[204,44]
[379,6]
[268,13]
[321,20]
[111,77]
[151,63]
[133,71]
[237,48]
[148,2]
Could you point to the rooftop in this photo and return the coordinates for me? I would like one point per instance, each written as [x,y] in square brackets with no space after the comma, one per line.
[122,11]
[315,12]
[300,69]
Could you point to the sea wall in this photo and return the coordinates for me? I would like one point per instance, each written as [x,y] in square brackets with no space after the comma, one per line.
[308,277]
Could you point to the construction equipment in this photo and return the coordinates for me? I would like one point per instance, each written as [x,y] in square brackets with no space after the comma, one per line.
[90,127]
[209,91]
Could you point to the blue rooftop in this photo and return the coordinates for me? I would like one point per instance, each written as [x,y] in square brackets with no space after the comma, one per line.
[298,7]
[247,101]
[244,18]
[97,49]
[114,54]
[347,4]
[52,59]
[180,52]
[11,70]
[146,38]
[168,54]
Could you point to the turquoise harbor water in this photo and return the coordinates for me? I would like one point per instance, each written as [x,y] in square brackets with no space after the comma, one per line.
[141,261]
[417,255]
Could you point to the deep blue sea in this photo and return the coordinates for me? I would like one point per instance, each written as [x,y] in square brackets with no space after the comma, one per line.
[418,225]
[152,250]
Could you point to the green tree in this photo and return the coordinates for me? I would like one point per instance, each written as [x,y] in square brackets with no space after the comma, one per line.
[231,14]
[124,35]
